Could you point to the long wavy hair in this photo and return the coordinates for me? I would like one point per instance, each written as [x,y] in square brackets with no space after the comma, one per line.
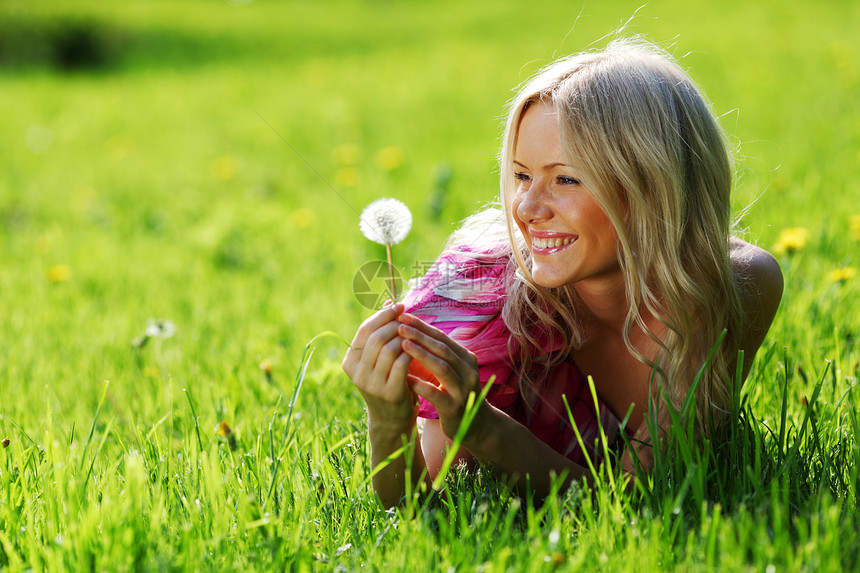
[656,162]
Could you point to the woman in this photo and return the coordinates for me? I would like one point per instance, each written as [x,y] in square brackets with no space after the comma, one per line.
[612,259]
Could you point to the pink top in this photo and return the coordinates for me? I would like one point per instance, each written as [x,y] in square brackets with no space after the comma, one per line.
[462,294]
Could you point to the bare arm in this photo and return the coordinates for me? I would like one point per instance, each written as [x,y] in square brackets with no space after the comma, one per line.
[377,366]
[493,437]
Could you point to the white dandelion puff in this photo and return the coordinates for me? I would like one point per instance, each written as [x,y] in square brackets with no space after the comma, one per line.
[155,329]
[386,221]
[160,328]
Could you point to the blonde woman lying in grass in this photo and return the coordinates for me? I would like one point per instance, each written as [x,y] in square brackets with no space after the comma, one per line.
[611,258]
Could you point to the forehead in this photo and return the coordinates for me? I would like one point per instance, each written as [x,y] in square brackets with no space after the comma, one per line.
[538,132]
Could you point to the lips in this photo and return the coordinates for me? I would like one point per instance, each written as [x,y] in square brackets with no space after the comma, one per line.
[550,243]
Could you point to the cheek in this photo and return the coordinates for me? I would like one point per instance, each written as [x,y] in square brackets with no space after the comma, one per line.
[515,205]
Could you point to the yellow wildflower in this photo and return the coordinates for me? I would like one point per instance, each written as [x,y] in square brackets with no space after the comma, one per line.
[389,158]
[226,433]
[791,240]
[346,177]
[855,227]
[224,168]
[302,218]
[841,274]
[59,273]
[266,366]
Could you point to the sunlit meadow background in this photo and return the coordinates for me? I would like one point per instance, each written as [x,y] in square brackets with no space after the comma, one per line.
[203,163]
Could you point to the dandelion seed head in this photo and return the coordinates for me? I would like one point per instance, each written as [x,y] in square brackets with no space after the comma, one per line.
[160,328]
[386,221]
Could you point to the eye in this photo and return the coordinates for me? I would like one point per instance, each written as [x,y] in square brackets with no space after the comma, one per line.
[520,176]
[565,180]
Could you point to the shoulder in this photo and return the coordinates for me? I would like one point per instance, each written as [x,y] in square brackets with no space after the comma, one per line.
[758,274]
[760,285]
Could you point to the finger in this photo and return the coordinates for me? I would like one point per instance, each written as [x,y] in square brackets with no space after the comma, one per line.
[430,392]
[435,333]
[362,363]
[354,353]
[432,345]
[400,369]
[372,324]
[389,352]
[377,340]
[441,369]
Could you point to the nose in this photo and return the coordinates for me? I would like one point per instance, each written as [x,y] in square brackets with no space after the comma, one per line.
[531,205]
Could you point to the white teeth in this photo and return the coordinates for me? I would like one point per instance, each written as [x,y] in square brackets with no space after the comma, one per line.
[550,243]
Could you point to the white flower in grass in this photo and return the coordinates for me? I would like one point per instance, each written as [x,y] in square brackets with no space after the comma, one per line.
[386,221]
[155,329]
[160,328]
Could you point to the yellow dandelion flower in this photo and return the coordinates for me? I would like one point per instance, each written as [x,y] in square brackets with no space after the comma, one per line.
[224,168]
[389,158]
[347,154]
[791,240]
[266,366]
[855,227]
[302,218]
[226,433]
[346,177]
[59,273]
[841,274]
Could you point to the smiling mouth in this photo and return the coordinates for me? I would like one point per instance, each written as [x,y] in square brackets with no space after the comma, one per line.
[551,242]
[551,245]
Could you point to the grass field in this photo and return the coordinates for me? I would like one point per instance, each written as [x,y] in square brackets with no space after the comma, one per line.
[165,170]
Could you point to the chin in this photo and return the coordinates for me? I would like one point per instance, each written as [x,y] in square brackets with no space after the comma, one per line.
[548,282]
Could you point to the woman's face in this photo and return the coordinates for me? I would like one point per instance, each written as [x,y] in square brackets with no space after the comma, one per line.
[570,237]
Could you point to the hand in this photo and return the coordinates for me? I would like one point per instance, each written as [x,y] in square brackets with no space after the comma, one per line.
[453,366]
[377,365]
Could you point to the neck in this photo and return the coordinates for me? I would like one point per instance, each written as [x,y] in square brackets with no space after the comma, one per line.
[605,303]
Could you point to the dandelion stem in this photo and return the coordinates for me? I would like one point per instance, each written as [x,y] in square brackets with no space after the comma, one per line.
[390,273]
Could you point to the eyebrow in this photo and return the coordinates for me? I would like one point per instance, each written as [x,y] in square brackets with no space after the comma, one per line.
[547,166]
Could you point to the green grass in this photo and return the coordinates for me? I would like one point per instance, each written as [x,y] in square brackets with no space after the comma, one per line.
[156,188]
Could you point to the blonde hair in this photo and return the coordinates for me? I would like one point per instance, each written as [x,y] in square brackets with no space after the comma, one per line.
[657,164]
